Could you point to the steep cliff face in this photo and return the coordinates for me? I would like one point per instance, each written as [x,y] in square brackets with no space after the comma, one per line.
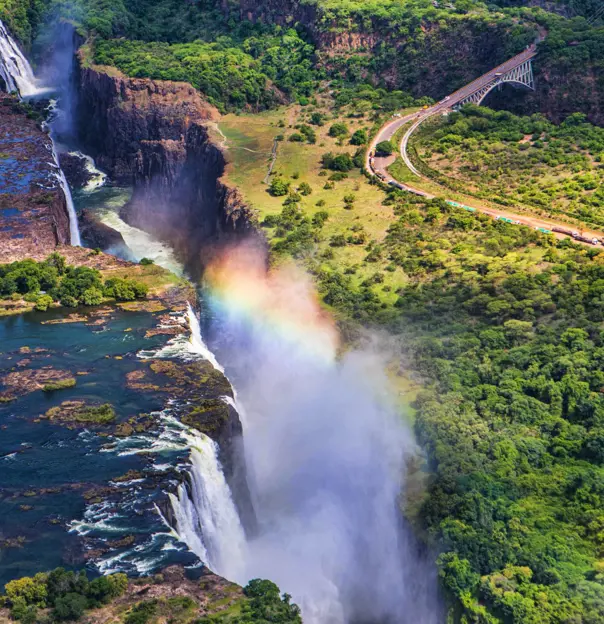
[116,114]
[155,135]
[33,210]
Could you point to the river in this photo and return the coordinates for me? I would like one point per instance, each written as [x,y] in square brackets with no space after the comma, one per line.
[323,446]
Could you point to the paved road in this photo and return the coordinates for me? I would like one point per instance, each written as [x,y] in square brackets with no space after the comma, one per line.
[379,165]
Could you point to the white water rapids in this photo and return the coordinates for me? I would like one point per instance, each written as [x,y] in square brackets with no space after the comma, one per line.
[18,76]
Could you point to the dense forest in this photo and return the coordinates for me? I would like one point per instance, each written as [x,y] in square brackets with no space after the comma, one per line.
[502,325]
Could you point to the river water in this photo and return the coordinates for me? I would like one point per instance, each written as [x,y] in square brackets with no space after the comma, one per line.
[324,448]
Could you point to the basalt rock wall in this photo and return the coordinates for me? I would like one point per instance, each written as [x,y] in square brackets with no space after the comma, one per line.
[156,135]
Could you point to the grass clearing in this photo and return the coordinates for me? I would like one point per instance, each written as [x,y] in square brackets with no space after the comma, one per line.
[249,141]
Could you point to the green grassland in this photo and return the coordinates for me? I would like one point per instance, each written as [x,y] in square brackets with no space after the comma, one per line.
[250,139]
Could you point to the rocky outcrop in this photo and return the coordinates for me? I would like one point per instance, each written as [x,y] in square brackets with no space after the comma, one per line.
[33,209]
[155,135]
[98,235]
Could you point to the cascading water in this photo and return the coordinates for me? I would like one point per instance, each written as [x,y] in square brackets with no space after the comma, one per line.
[206,516]
[19,76]
[196,341]
[14,68]
[325,452]
[97,177]
[74,229]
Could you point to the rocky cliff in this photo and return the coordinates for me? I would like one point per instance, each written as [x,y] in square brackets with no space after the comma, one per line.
[155,135]
[33,210]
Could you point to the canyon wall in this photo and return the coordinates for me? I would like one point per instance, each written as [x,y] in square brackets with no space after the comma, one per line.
[401,52]
[156,136]
[33,209]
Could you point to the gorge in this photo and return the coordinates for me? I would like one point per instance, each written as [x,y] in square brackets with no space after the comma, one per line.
[328,529]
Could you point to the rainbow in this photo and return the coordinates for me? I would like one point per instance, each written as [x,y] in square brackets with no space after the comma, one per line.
[282,301]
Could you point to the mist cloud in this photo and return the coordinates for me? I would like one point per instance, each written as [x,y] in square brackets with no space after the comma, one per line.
[325,450]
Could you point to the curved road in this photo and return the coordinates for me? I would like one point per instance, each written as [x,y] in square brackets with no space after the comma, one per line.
[379,165]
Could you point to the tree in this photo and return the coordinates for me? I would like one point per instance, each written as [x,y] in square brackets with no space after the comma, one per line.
[92,296]
[30,590]
[359,137]
[305,188]
[278,187]
[43,303]
[317,119]
[349,200]
[70,606]
[384,148]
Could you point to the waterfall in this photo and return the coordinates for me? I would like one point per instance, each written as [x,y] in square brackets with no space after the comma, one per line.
[98,178]
[206,516]
[14,67]
[197,344]
[18,75]
[74,230]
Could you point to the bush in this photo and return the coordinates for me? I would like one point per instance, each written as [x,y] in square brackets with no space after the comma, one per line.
[278,187]
[147,261]
[317,119]
[27,591]
[296,137]
[338,129]
[319,218]
[341,162]
[305,188]
[125,289]
[70,606]
[384,148]
[106,588]
[43,302]
[92,296]
[349,200]
[141,613]
[359,137]
[69,302]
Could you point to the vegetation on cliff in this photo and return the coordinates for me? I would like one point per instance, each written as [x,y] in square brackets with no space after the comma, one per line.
[61,595]
[22,17]
[53,280]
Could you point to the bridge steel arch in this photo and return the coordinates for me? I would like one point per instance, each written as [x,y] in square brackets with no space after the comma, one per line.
[521,75]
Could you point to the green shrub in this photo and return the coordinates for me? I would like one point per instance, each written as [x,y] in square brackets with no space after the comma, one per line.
[338,129]
[278,187]
[384,148]
[359,137]
[70,607]
[305,188]
[43,302]
[141,613]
